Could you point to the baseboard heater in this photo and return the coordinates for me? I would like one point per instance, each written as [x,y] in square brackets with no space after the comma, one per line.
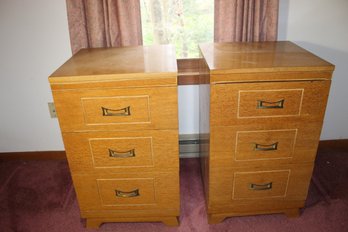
[189,145]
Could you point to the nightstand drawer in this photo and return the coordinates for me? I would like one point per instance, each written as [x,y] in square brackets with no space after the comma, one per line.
[262,184]
[122,151]
[116,109]
[268,184]
[128,191]
[267,103]
[264,144]
[256,145]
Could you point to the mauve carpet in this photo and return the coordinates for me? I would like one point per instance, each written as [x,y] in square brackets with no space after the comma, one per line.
[38,196]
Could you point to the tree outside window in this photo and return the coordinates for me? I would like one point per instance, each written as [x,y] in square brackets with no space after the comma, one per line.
[184,23]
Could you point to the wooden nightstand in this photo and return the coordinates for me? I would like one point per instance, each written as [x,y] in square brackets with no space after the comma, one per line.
[261,113]
[118,113]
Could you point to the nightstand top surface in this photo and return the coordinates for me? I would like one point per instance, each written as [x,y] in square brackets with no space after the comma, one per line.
[134,62]
[249,57]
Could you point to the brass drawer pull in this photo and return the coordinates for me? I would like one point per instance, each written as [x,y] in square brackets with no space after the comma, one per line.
[270,105]
[134,193]
[118,112]
[120,154]
[266,147]
[261,186]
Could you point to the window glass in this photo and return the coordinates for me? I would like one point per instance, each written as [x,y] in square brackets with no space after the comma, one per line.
[184,23]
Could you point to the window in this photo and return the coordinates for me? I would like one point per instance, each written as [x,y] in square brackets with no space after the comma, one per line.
[184,23]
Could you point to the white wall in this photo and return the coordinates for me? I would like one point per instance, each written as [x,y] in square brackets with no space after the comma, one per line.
[320,26]
[188,109]
[34,41]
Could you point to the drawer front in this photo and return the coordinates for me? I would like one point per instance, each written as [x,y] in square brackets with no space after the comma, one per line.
[256,145]
[269,103]
[117,109]
[127,192]
[266,144]
[123,151]
[262,103]
[259,186]
[262,184]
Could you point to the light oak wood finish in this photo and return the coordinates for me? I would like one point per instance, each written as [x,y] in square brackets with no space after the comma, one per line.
[117,109]
[97,193]
[265,57]
[136,151]
[81,110]
[230,188]
[264,144]
[94,223]
[261,112]
[102,64]
[236,145]
[150,82]
[303,101]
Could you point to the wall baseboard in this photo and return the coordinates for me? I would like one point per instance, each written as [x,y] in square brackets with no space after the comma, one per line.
[33,155]
[188,146]
[338,144]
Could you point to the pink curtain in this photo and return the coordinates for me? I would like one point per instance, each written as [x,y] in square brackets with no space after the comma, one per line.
[104,23]
[246,20]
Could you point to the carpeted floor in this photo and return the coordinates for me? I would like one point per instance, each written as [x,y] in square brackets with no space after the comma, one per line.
[38,196]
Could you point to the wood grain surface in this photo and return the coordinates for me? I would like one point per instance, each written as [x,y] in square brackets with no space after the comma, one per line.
[261,114]
[134,62]
[260,57]
[150,108]
[118,113]
[153,150]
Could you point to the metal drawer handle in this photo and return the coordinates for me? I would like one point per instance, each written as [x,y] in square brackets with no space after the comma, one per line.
[261,186]
[270,105]
[266,147]
[120,154]
[117,112]
[134,193]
